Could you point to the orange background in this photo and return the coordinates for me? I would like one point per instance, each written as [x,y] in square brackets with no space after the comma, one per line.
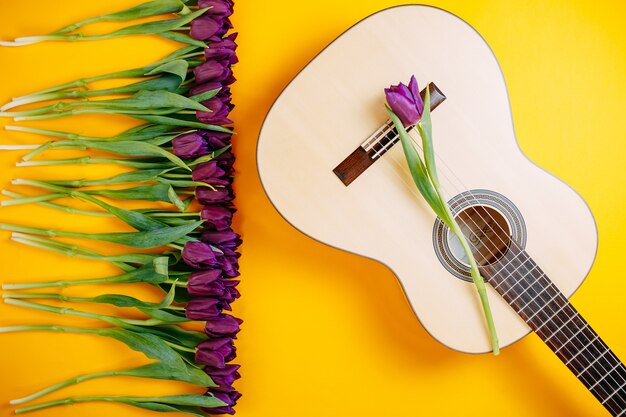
[328,333]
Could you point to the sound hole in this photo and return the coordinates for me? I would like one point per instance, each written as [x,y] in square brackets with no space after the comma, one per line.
[487,232]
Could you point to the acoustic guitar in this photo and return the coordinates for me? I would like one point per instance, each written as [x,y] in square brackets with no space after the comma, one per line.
[328,162]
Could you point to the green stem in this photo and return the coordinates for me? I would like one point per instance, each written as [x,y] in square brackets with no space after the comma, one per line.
[103,110]
[90,160]
[179,347]
[479,282]
[63,384]
[188,214]
[31,199]
[182,53]
[117,321]
[68,209]
[121,261]
[118,279]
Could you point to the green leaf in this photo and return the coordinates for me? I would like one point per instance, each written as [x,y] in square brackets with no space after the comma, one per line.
[150,192]
[425,130]
[164,316]
[124,178]
[207,95]
[183,38]
[173,121]
[150,345]
[144,239]
[143,100]
[160,26]
[192,400]
[135,219]
[175,334]
[146,273]
[417,168]
[151,8]
[180,372]
[188,404]
[118,300]
[142,132]
[177,68]
[134,148]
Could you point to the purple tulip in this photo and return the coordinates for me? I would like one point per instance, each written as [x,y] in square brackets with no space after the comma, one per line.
[406,102]
[205,308]
[213,71]
[217,218]
[222,49]
[217,7]
[211,283]
[212,173]
[223,239]
[220,107]
[199,255]
[211,85]
[224,382]
[230,398]
[216,352]
[228,369]
[217,140]
[229,264]
[204,27]
[223,325]
[208,196]
[190,145]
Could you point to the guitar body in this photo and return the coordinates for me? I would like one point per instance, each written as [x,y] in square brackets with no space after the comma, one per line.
[336,103]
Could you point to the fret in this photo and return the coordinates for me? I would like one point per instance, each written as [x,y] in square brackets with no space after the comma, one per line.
[523,292]
[605,375]
[592,362]
[535,297]
[542,307]
[520,281]
[616,391]
[551,317]
[560,329]
[582,350]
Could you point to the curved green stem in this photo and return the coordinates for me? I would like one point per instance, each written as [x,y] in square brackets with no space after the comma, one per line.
[64,384]
[478,280]
[117,321]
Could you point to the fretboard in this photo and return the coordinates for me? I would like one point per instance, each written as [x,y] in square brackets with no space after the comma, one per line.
[518,279]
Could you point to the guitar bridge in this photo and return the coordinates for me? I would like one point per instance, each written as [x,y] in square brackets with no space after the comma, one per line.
[378,143]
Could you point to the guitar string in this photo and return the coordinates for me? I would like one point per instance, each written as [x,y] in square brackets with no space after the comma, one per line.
[608,395]
[567,304]
[525,278]
[562,326]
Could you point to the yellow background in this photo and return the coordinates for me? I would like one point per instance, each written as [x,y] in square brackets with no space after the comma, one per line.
[327,333]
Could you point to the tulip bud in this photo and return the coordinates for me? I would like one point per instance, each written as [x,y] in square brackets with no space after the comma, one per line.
[217,218]
[220,108]
[223,325]
[209,196]
[406,102]
[190,145]
[216,352]
[216,71]
[210,173]
[230,398]
[204,27]
[205,308]
[217,7]
[199,255]
[226,239]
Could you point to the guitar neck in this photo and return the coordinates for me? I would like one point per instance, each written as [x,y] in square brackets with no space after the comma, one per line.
[520,281]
